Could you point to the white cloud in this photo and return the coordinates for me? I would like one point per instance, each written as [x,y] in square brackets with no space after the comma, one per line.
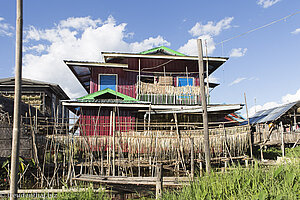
[238,52]
[206,32]
[191,48]
[284,100]
[75,39]
[291,97]
[148,44]
[37,48]
[258,108]
[211,28]
[267,3]
[5,28]
[212,79]
[297,31]
[80,23]
[236,81]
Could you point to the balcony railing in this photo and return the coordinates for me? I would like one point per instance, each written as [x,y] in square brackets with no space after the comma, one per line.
[171,99]
[167,94]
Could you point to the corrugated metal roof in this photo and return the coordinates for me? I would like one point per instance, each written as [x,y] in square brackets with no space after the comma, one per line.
[270,114]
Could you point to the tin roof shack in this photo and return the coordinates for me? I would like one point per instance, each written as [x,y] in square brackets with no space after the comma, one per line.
[44,96]
[278,125]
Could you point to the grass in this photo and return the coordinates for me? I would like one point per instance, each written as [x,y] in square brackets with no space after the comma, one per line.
[257,182]
[280,182]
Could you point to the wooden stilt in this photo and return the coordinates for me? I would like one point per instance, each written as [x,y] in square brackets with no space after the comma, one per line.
[192,157]
[113,143]
[159,181]
[282,139]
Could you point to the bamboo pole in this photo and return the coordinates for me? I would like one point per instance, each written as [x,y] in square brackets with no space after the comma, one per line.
[282,139]
[113,145]
[192,158]
[207,73]
[159,181]
[250,135]
[17,103]
[204,107]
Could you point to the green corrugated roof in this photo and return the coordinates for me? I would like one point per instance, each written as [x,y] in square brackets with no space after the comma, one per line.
[163,48]
[107,90]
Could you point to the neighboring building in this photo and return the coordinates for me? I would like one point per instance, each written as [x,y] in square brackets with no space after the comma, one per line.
[44,96]
[154,86]
[277,125]
[41,104]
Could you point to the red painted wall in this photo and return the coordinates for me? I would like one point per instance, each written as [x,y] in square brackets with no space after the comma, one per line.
[92,124]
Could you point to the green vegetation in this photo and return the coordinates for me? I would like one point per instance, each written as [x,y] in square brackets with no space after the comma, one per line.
[257,182]
[254,183]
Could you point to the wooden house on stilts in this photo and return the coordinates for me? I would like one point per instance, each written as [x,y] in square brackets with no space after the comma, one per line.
[149,103]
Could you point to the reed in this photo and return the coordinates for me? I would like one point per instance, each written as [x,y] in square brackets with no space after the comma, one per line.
[280,182]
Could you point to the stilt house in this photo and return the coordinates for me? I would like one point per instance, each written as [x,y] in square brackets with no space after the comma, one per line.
[150,90]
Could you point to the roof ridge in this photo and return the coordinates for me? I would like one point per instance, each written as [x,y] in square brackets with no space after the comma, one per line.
[107,90]
[171,51]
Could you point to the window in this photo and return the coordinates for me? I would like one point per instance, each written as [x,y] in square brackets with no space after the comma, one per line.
[146,79]
[108,81]
[185,81]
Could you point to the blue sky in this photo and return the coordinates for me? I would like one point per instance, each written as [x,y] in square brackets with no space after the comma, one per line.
[264,64]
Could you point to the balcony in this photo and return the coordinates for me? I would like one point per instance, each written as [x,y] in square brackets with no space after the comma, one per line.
[167,94]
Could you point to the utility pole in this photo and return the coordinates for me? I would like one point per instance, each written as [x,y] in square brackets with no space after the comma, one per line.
[17,103]
[204,106]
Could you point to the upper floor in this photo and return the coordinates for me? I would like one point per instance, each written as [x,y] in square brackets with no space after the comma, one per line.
[159,75]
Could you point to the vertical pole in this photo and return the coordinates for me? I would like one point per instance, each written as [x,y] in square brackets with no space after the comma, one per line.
[207,73]
[250,137]
[113,145]
[159,181]
[261,153]
[139,83]
[282,139]
[295,120]
[109,143]
[192,158]
[17,103]
[204,107]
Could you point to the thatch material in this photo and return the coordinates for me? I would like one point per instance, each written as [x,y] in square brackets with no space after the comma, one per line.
[154,88]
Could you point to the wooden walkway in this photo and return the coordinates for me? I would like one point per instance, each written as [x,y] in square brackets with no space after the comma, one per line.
[167,181]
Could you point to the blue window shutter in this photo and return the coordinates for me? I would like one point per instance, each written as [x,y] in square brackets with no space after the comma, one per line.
[182,81]
[108,81]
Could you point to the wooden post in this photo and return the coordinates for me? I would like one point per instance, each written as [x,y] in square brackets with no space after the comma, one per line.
[207,73]
[261,153]
[249,133]
[17,103]
[295,120]
[114,145]
[192,158]
[282,139]
[201,168]
[139,84]
[159,181]
[109,143]
[226,164]
[204,107]
[180,152]
[102,159]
